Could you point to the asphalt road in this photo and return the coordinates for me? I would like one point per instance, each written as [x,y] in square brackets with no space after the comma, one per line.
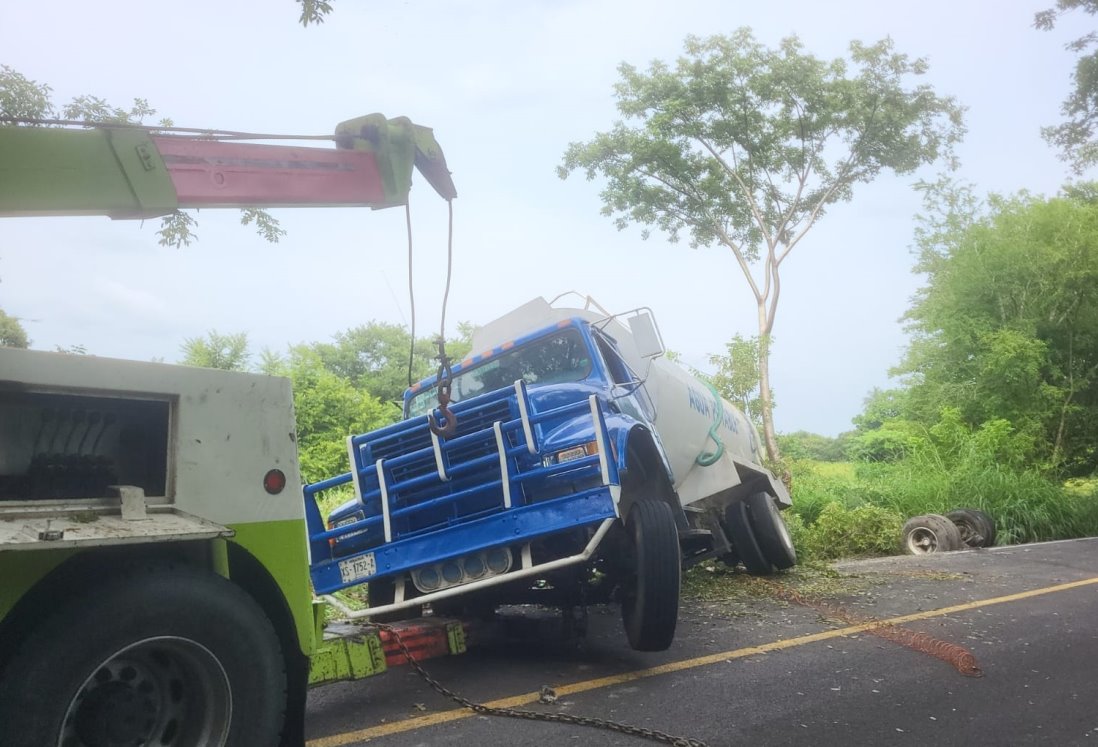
[774,673]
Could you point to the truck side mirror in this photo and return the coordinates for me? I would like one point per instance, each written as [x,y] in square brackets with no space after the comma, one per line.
[646,335]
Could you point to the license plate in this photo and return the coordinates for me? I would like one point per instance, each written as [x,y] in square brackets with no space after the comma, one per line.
[353,569]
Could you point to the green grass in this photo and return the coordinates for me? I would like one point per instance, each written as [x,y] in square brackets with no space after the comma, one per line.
[332,499]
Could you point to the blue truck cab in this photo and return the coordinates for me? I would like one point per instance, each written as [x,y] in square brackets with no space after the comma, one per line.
[526,496]
[556,486]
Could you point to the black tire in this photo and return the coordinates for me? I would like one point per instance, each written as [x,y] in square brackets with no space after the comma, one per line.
[168,655]
[738,523]
[770,531]
[930,533]
[976,527]
[650,594]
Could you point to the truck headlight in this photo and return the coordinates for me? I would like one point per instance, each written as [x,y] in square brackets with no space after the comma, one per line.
[590,448]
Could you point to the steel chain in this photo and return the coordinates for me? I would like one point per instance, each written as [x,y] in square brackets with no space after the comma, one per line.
[565,718]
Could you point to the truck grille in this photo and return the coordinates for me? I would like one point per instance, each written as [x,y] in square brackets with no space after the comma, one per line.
[415,437]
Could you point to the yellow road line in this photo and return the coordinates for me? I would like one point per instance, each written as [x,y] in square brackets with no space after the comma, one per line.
[516,701]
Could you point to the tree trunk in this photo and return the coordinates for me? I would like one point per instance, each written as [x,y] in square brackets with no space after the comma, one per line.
[767,403]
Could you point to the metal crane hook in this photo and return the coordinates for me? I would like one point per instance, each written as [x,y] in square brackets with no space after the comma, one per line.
[445,381]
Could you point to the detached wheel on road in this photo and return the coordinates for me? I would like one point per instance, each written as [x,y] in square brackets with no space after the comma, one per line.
[976,527]
[650,592]
[737,521]
[930,533]
[166,656]
[770,530]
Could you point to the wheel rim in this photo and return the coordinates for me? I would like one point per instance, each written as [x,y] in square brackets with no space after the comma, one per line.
[922,540]
[970,533]
[165,691]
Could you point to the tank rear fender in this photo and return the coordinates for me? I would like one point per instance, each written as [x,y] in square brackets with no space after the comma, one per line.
[757,479]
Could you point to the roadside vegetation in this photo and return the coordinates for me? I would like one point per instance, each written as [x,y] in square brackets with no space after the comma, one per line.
[856,509]
[995,405]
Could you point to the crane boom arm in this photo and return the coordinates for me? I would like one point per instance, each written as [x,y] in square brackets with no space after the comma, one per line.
[134,172]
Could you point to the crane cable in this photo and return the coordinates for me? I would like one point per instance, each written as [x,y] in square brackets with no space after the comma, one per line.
[444,377]
[411,288]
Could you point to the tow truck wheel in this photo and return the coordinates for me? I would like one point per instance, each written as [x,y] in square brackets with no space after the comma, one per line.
[770,531]
[165,656]
[650,594]
[738,523]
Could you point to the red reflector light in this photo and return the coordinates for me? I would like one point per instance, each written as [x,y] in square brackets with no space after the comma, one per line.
[274,481]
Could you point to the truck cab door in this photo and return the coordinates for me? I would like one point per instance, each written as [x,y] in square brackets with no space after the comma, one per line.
[628,390]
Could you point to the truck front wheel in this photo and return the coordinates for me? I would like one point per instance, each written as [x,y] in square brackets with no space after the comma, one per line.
[650,594]
[164,655]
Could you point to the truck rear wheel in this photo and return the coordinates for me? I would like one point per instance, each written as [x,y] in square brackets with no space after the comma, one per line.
[738,523]
[770,531]
[650,598]
[166,655]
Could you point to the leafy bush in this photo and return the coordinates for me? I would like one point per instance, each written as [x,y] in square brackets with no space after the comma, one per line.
[805,445]
[892,441]
[841,532]
[817,484]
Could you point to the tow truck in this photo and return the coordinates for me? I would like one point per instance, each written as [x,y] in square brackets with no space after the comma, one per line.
[154,568]
[159,555]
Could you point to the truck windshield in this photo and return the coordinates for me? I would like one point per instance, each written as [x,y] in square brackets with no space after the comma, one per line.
[554,359]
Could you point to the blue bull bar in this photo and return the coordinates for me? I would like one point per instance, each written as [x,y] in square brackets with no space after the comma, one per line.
[423,499]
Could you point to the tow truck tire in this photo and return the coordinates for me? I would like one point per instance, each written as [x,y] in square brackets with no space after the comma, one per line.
[770,531]
[650,595]
[165,655]
[976,527]
[930,533]
[738,523]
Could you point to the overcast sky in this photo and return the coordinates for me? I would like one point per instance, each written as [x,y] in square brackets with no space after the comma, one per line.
[506,85]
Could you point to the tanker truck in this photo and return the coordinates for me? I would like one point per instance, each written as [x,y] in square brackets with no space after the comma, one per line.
[566,462]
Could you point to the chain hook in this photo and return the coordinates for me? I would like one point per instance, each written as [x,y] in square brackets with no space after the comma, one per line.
[445,378]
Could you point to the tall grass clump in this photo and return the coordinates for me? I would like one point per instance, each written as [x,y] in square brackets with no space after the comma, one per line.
[948,466]
[818,484]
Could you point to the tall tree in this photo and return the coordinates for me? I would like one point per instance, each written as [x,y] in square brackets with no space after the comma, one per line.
[12,334]
[1077,136]
[215,350]
[745,147]
[375,356]
[737,375]
[1006,327]
[314,11]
